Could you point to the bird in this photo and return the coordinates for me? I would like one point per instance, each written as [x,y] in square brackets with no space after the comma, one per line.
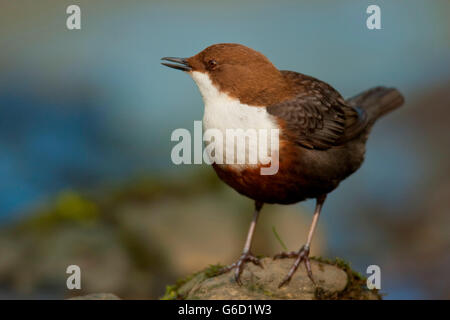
[321,139]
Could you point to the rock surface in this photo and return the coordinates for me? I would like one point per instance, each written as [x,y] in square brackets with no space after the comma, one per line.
[334,281]
[97,296]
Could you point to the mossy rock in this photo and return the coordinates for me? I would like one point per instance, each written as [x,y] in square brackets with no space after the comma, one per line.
[334,279]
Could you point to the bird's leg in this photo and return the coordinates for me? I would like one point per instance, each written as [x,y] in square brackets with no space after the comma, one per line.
[303,253]
[246,256]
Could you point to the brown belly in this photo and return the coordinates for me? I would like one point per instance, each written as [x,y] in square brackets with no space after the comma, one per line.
[302,174]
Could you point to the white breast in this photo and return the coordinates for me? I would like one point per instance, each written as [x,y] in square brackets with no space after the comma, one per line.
[223,112]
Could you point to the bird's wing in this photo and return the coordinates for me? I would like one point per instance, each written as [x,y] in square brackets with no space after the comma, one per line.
[317,117]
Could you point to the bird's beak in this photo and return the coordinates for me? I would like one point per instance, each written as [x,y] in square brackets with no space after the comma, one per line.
[182,63]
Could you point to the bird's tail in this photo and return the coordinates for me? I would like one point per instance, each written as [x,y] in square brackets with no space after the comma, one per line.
[377,101]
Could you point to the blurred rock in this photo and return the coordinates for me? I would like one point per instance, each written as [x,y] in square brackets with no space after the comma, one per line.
[97,296]
[135,239]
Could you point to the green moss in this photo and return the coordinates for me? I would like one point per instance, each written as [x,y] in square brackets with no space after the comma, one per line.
[69,206]
[172,291]
[356,288]
[268,293]
[213,270]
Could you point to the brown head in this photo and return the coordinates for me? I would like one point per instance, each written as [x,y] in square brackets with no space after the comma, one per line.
[238,71]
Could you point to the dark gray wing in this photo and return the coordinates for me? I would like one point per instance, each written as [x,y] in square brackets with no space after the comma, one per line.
[317,117]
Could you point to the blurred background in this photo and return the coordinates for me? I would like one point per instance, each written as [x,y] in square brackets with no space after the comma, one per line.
[86,117]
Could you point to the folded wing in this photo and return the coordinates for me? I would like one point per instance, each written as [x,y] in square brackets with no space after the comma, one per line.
[317,117]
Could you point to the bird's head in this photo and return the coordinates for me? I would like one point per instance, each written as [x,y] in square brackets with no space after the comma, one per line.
[235,70]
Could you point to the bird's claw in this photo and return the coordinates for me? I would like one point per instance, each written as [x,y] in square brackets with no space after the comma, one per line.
[301,255]
[239,265]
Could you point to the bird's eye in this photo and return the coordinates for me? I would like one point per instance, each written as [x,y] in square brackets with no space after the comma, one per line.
[212,64]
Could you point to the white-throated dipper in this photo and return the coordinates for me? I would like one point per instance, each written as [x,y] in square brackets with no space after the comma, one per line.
[322,136]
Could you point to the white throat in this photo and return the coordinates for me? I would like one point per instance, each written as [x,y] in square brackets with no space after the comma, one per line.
[223,112]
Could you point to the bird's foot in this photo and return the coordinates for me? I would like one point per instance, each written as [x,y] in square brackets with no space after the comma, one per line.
[301,255]
[239,265]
